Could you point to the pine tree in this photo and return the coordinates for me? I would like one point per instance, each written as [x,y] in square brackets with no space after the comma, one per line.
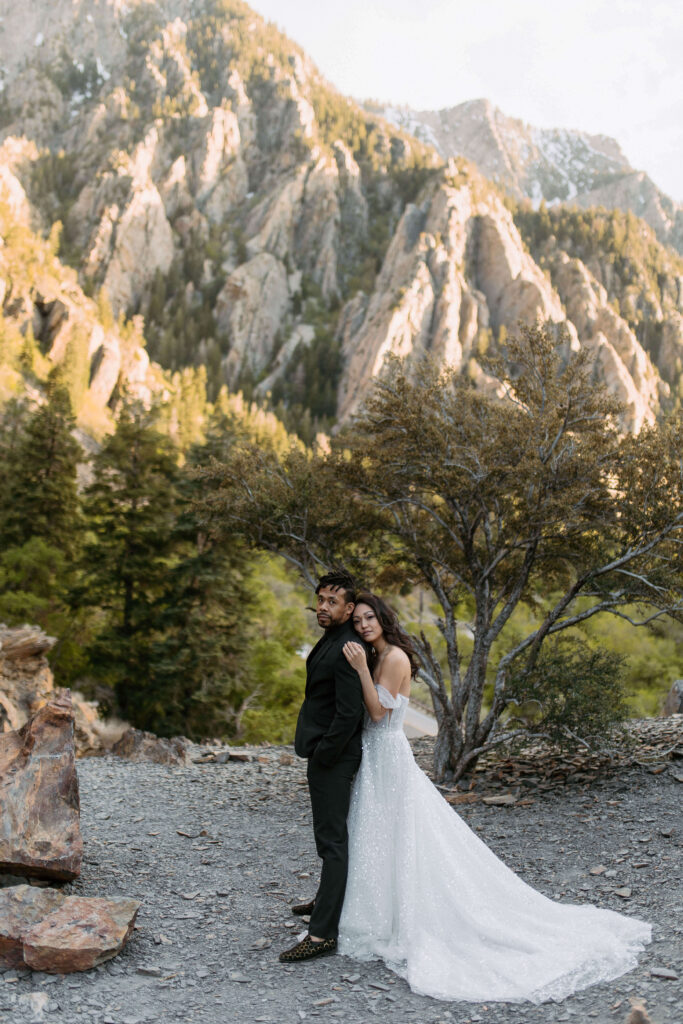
[41,523]
[41,494]
[130,507]
[197,675]
[12,428]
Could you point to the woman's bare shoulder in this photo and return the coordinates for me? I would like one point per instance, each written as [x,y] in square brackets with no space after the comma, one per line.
[397,658]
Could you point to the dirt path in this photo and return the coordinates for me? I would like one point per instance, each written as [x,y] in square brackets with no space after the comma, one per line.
[216,899]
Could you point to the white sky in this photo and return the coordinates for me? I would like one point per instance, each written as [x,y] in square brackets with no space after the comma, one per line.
[603,66]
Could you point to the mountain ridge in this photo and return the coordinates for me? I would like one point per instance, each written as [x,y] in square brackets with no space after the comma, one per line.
[208,180]
[543,164]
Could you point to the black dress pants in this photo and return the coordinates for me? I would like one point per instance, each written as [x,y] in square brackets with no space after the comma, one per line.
[330,791]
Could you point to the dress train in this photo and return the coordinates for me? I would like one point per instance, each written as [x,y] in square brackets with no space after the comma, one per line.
[428,897]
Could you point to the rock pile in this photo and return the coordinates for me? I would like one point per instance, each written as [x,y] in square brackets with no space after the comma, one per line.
[40,837]
[136,745]
[26,684]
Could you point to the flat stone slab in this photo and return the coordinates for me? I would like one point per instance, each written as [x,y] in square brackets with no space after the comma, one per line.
[47,931]
[39,803]
[22,906]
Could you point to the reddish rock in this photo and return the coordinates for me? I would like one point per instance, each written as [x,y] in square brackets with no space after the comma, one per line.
[48,931]
[82,933]
[26,684]
[136,745]
[39,805]
[22,906]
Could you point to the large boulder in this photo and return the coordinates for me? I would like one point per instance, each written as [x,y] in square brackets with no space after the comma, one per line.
[39,803]
[48,931]
[136,745]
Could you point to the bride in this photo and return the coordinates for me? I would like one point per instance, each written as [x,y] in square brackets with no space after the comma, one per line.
[425,894]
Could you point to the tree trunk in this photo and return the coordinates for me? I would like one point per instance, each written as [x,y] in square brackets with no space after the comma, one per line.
[458,734]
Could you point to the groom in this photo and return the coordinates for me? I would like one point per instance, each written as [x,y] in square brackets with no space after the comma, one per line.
[328,733]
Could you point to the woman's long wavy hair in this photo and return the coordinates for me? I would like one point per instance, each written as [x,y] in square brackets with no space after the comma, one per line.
[393,634]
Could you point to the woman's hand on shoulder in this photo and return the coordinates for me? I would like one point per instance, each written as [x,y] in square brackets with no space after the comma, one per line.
[355,655]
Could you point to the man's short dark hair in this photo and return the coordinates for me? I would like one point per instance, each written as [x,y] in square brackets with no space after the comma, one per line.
[339,579]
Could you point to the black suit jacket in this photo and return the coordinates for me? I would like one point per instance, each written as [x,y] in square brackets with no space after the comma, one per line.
[331,716]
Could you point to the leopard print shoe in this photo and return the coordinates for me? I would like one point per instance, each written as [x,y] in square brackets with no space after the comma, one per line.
[301,909]
[307,949]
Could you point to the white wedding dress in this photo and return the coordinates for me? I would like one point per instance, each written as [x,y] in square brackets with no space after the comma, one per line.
[428,897]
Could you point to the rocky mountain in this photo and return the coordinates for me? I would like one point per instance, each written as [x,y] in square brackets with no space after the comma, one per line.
[207,179]
[555,165]
[47,318]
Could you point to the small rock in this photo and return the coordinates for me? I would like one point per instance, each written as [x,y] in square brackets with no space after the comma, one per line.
[326,1002]
[638,1014]
[234,976]
[153,972]
[663,972]
[599,869]
[36,1003]
[624,893]
[504,800]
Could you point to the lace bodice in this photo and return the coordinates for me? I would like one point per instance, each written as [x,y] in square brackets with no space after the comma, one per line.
[393,720]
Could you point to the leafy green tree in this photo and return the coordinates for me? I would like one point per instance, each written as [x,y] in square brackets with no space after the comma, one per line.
[32,587]
[489,500]
[274,666]
[35,581]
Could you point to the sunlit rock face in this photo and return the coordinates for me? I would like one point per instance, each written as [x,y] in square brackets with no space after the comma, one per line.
[210,181]
[456,271]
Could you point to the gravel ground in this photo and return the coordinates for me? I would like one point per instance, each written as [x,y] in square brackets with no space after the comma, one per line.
[217,852]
